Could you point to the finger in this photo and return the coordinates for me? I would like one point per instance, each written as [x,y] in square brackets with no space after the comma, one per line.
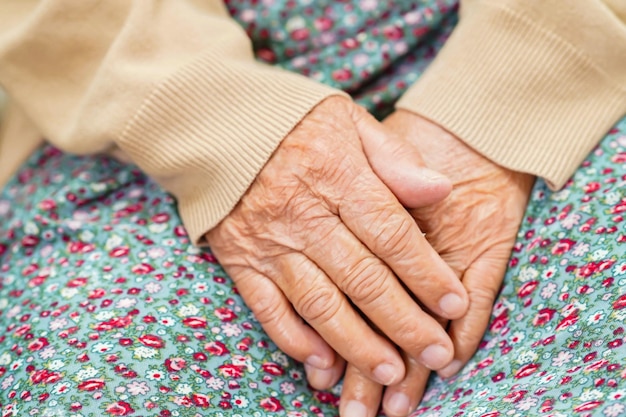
[360,396]
[326,309]
[399,165]
[375,290]
[325,378]
[401,399]
[482,280]
[282,325]
[376,218]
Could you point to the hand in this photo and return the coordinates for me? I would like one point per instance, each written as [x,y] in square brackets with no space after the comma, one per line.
[473,230]
[318,230]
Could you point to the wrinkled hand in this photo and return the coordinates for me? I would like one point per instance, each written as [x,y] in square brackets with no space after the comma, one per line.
[318,232]
[473,230]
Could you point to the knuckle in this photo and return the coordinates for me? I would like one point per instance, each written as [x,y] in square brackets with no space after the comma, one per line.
[318,305]
[482,297]
[395,239]
[268,311]
[364,282]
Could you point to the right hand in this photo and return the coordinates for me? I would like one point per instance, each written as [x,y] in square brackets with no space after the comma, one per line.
[318,230]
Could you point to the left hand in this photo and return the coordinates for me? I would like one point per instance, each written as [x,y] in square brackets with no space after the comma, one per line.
[473,230]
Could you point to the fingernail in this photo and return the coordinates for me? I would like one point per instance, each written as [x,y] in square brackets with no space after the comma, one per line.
[399,404]
[319,378]
[385,373]
[452,305]
[317,362]
[435,357]
[454,367]
[354,409]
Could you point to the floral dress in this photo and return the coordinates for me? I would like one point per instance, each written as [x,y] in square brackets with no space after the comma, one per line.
[106,309]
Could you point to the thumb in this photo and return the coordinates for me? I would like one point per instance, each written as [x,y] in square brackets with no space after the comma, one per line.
[399,165]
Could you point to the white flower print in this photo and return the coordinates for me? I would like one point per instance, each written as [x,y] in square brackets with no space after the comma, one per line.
[580,249]
[156,253]
[562,358]
[86,373]
[200,287]
[126,302]
[102,347]
[527,356]
[155,374]
[112,242]
[619,269]
[62,388]
[231,329]
[618,395]
[240,401]
[183,389]
[188,310]
[280,358]
[69,292]
[152,287]
[138,388]
[167,321]
[596,317]
[215,383]
[599,254]
[369,5]
[517,337]
[55,365]
[528,273]
[14,311]
[104,315]
[5,359]
[592,394]
[549,272]
[143,352]
[614,410]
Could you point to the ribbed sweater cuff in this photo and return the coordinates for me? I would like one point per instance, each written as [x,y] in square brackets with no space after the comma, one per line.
[206,133]
[522,95]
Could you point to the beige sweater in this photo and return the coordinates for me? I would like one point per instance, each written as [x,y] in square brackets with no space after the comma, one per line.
[173,85]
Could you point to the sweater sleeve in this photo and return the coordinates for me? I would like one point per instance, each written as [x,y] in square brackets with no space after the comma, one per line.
[531,84]
[172,83]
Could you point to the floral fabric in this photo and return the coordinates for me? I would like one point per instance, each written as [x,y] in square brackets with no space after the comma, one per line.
[106,309]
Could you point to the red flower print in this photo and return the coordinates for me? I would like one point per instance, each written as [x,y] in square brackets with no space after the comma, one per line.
[563,246]
[500,321]
[300,34]
[38,344]
[527,289]
[80,247]
[230,370]
[491,414]
[544,316]
[498,377]
[119,408]
[225,314]
[77,282]
[142,269]
[195,322]
[393,33]
[589,405]
[271,404]
[92,385]
[526,370]
[30,241]
[175,364]
[216,348]
[273,368]
[152,341]
[568,321]
[620,302]
[160,218]
[342,74]
[515,396]
[43,376]
[201,400]
[119,252]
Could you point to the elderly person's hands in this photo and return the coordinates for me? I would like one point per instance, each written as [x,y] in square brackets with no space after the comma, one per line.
[320,232]
[473,230]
